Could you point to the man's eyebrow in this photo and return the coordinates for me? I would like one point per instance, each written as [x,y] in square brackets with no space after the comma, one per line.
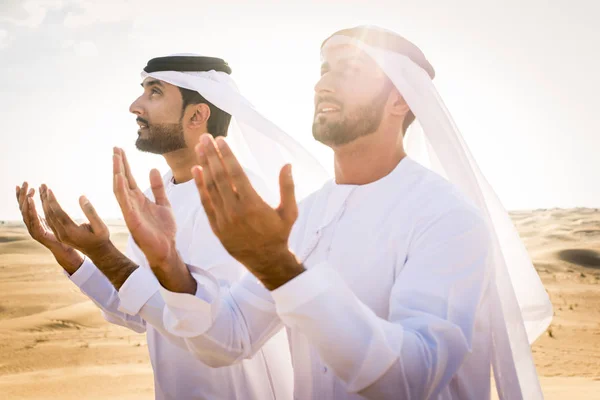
[352,59]
[151,83]
[344,62]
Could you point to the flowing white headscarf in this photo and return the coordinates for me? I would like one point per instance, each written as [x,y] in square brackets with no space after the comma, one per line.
[259,144]
[521,307]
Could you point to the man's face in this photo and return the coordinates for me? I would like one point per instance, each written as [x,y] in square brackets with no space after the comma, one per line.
[350,96]
[159,115]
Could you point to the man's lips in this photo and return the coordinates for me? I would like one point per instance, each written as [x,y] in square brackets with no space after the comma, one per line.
[142,124]
[327,108]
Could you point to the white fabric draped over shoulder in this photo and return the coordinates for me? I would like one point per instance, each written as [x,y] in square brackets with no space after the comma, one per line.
[259,144]
[521,307]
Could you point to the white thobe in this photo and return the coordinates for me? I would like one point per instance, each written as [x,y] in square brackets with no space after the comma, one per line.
[178,374]
[393,305]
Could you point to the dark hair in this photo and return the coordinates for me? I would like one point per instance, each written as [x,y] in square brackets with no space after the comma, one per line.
[408,119]
[218,122]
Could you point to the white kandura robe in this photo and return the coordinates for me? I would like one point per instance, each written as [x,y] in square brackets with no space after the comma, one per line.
[394,303]
[138,305]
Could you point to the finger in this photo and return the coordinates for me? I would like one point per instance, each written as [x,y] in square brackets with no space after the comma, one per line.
[209,183]
[90,212]
[117,166]
[116,159]
[33,217]
[61,217]
[236,173]
[219,174]
[44,200]
[128,175]
[158,188]
[205,198]
[26,206]
[48,212]
[122,194]
[18,192]
[25,212]
[121,191]
[23,194]
[288,208]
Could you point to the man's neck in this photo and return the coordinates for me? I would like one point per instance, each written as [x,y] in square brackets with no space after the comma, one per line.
[368,158]
[181,163]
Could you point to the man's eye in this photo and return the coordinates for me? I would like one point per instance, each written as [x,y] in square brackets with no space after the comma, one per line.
[155,91]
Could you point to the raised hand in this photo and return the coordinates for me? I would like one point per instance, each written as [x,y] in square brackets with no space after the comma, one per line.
[92,239]
[152,225]
[65,255]
[251,231]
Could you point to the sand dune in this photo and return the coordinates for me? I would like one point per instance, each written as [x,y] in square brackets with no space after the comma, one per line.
[54,344]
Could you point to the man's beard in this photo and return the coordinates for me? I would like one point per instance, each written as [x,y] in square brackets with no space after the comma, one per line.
[162,139]
[364,121]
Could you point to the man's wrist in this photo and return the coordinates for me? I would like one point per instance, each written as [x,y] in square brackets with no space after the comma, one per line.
[103,250]
[282,267]
[116,266]
[69,259]
[173,274]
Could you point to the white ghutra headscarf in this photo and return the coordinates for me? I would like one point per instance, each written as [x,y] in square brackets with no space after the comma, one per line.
[259,144]
[521,307]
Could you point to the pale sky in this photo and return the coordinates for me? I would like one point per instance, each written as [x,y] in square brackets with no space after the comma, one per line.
[520,77]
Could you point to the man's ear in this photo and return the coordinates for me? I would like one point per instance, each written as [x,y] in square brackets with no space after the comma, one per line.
[397,104]
[198,115]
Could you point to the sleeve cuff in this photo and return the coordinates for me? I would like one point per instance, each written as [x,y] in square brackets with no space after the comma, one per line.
[137,290]
[304,288]
[83,273]
[189,315]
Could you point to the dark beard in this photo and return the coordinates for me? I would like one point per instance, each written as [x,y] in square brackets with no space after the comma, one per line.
[364,121]
[162,139]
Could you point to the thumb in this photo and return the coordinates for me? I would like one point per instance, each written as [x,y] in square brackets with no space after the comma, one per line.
[158,188]
[288,209]
[90,212]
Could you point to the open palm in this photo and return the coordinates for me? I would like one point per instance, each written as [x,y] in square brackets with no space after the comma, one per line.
[151,223]
[36,225]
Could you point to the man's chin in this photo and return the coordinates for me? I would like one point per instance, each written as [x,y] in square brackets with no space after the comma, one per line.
[143,146]
[328,134]
[148,146]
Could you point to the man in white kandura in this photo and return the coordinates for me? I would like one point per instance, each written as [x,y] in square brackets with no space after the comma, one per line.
[394,281]
[183,97]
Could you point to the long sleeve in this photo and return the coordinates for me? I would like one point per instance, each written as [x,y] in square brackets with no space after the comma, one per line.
[222,325]
[415,351]
[208,324]
[139,296]
[92,282]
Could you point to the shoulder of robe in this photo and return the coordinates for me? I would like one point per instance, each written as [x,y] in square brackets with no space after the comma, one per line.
[436,197]
[316,197]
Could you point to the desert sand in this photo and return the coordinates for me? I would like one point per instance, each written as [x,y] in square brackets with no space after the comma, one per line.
[54,344]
